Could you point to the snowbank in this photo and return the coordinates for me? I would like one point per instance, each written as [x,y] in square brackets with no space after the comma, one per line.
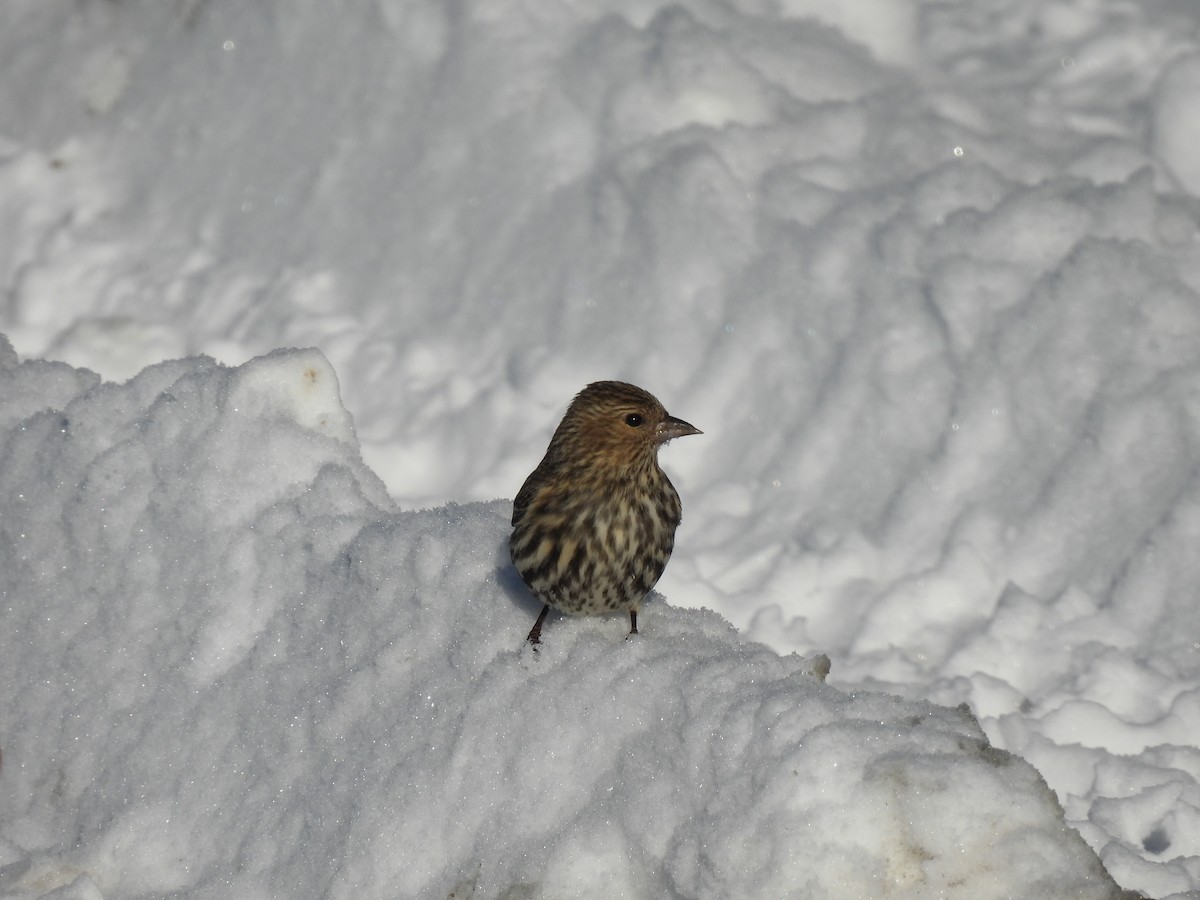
[233,669]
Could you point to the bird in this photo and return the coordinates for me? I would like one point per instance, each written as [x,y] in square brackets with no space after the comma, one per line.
[594,524]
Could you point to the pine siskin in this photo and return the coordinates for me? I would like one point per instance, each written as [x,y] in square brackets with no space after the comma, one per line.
[594,524]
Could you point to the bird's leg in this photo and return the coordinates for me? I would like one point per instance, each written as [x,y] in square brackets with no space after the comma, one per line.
[632,624]
[535,633]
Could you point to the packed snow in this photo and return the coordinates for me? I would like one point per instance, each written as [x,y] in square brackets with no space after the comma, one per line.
[294,297]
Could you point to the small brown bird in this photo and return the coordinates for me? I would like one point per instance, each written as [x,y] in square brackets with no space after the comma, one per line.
[594,523]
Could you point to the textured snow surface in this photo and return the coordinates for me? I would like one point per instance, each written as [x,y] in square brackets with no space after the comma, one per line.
[927,275]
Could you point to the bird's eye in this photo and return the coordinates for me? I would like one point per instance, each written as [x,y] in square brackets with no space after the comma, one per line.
[633,420]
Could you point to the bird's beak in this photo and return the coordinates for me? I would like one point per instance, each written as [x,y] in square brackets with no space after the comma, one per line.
[671,427]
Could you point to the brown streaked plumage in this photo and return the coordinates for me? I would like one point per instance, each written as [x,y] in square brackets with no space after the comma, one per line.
[594,524]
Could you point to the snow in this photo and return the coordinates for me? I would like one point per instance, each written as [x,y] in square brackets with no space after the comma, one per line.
[242,672]
[925,274]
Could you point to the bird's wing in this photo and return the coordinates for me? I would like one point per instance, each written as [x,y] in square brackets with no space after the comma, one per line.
[525,497]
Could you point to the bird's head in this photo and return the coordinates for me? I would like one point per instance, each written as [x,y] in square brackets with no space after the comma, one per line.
[616,419]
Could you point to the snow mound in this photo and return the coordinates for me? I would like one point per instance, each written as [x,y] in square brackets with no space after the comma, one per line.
[233,669]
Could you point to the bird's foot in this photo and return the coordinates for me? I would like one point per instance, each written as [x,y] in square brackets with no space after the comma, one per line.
[535,633]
